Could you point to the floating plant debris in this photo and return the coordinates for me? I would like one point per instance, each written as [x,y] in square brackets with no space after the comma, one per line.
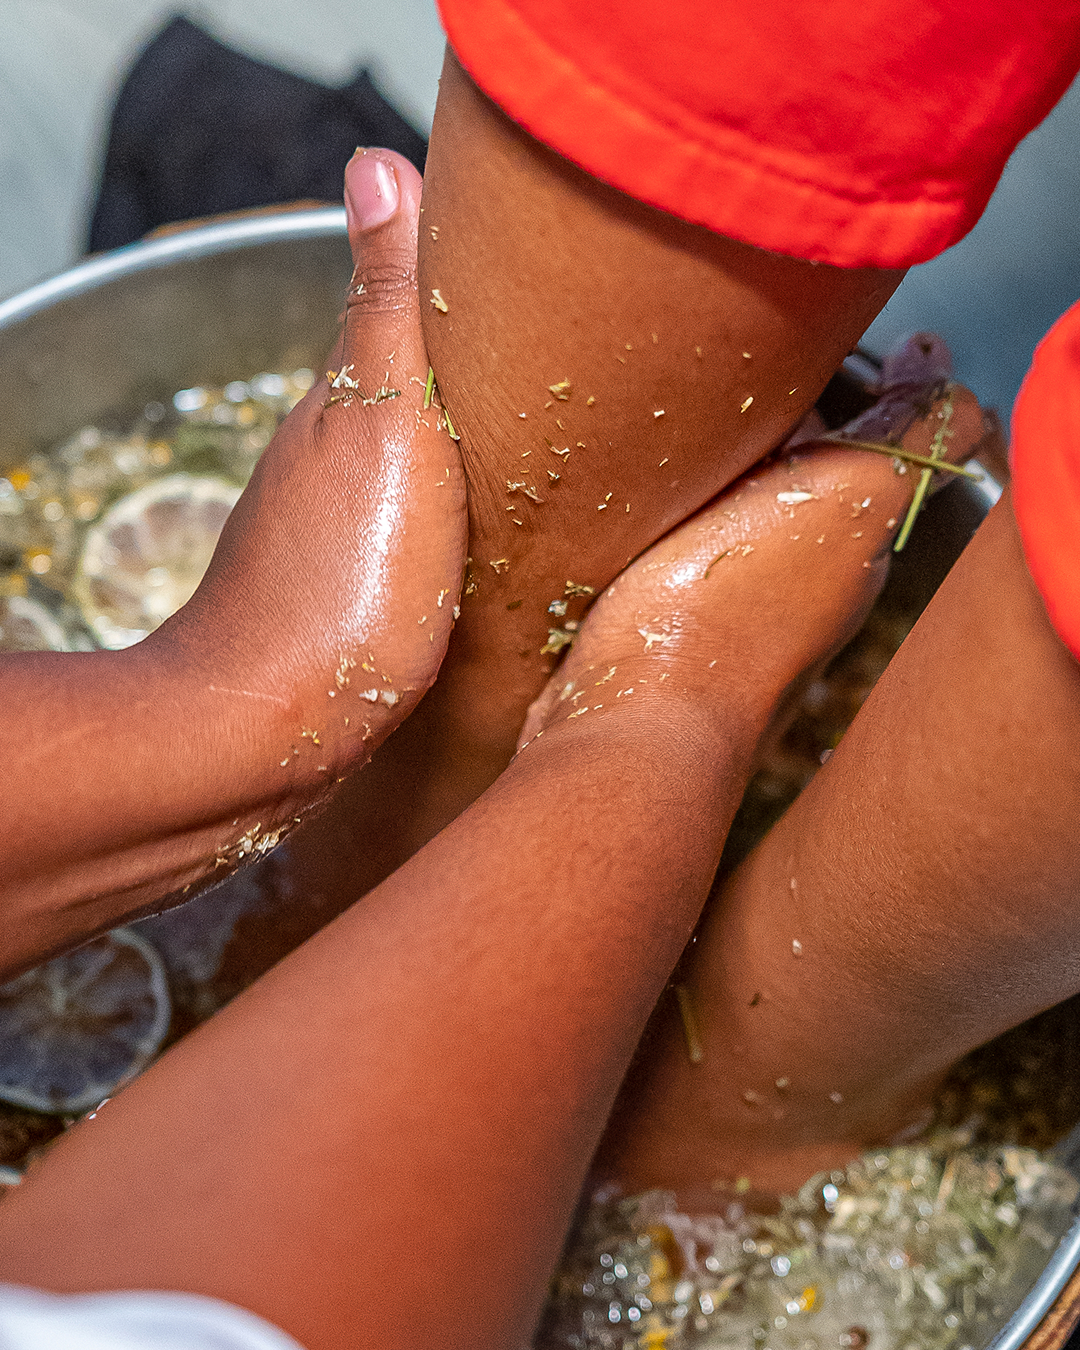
[83,528]
[144,559]
[74,1029]
[919,1247]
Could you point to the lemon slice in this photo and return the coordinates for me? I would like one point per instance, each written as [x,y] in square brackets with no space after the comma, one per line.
[26,626]
[147,554]
[73,1030]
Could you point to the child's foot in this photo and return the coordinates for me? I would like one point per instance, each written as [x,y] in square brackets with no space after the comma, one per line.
[460,738]
[760,586]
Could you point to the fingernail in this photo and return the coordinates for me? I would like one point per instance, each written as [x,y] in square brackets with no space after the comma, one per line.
[371,191]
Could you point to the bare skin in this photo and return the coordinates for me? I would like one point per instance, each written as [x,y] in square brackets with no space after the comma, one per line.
[257,696]
[252,663]
[548,275]
[930,875]
[424,1081]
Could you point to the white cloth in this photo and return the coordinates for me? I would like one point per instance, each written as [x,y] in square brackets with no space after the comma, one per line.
[33,1320]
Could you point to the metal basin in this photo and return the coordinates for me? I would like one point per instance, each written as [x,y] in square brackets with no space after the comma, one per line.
[218,302]
[135,325]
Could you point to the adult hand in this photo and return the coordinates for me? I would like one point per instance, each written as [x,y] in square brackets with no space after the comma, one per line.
[463,1030]
[610,369]
[320,624]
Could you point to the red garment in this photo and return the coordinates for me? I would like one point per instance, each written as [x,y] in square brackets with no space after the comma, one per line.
[1046,473]
[856,132]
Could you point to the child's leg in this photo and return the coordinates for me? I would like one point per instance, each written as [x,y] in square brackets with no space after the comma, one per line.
[917,900]
[382,1141]
[686,357]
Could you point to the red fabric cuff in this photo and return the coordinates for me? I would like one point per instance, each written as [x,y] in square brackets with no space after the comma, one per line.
[1046,473]
[852,132]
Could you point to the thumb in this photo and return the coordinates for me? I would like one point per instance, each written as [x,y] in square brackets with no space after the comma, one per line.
[376,407]
[381,330]
[346,551]
[375,183]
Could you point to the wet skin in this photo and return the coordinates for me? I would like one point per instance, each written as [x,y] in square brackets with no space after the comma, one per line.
[239,693]
[383,308]
[930,874]
[428,1024]
[548,275]
[426,1079]
[138,773]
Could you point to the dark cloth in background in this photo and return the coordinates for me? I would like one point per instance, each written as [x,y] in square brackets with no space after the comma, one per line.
[200,128]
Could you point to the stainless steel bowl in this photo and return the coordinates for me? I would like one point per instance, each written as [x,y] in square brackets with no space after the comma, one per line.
[221,301]
[206,305]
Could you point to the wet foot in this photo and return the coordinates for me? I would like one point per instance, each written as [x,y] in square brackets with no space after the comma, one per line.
[759,587]
[462,735]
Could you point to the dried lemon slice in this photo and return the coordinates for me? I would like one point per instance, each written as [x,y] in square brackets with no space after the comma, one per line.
[26,626]
[148,553]
[74,1029]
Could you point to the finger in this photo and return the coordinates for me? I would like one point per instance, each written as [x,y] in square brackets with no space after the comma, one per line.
[381,325]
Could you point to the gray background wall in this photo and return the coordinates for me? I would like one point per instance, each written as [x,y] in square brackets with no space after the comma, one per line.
[995,294]
[61,62]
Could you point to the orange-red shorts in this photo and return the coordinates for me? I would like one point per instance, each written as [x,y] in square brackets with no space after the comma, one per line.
[861,133]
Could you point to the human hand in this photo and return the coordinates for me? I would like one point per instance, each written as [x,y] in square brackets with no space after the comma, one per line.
[338,573]
[829,516]
[320,623]
[477,1012]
